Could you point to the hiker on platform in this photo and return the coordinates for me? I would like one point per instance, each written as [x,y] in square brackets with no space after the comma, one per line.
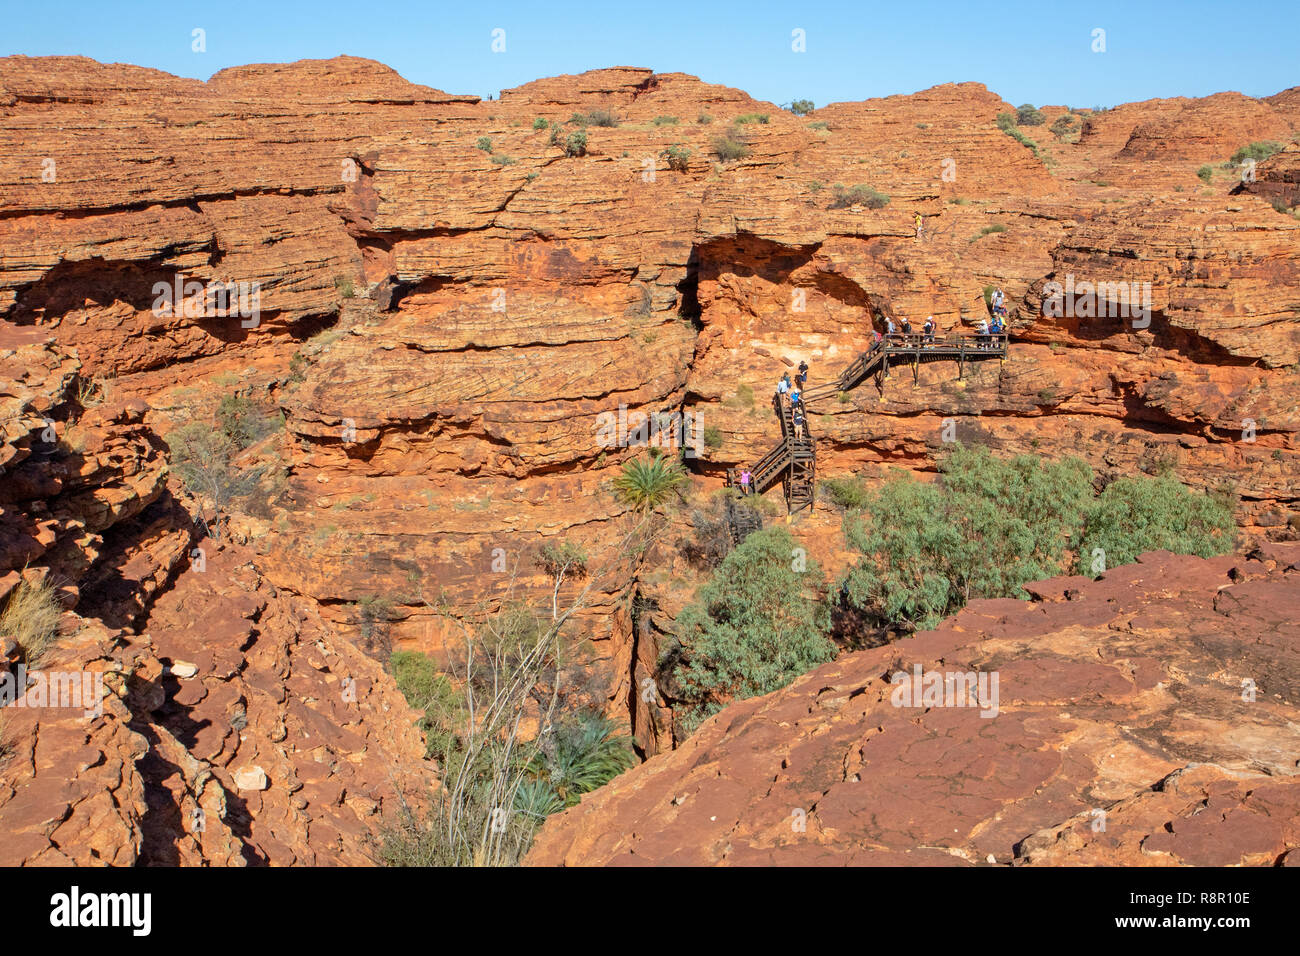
[889,327]
[905,325]
[928,329]
[982,333]
[783,386]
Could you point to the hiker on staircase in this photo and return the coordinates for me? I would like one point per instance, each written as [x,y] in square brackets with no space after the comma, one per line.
[798,421]
[801,379]
[783,386]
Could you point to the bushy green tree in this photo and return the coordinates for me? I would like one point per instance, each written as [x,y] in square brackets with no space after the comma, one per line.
[1027,114]
[576,144]
[759,623]
[986,527]
[1134,515]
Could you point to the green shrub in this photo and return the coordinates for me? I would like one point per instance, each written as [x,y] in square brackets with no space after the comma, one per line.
[745,395]
[1205,173]
[430,692]
[983,529]
[645,483]
[727,148]
[1029,115]
[202,456]
[484,143]
[665,120]
[566,559]
[858,196]
[243,422]
[987,230]
[1023,140]
[849,493]
[501,160]
[31,617]
[1257,151]
[1006,122]
[344,286]
[679,158]
[1134,515]
[540,123]
[594,118]
[750,118]
[1063,126]
[756,626]
[802,107]
[713,437]
[704,119]
[576,144]
[819,124]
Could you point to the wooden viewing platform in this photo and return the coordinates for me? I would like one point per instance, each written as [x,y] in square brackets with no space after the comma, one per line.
[794,460]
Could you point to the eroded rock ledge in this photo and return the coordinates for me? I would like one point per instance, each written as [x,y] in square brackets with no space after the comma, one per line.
[1121,701]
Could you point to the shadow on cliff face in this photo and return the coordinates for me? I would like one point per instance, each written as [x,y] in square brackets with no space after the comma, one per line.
[118,589]
[162,826]
[109,302]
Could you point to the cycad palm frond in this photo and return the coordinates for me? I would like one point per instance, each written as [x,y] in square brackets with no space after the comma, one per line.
[647,482]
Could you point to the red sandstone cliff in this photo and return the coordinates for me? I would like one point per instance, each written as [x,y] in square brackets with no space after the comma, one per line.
[1144,719]
[483,309]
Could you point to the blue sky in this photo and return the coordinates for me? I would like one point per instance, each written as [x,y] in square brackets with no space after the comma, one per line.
[1028,52]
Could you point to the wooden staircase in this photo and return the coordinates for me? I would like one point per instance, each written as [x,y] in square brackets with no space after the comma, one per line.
[742,520]
[794,460]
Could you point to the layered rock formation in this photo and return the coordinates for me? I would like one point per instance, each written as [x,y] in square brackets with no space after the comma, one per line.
[1144,719]
[453,298]
[224,722]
